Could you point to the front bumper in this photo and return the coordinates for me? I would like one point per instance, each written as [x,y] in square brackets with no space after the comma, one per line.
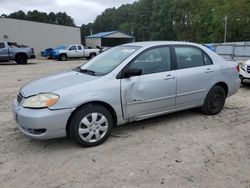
[41,124]
[55,56]
[244,74]
[32,57]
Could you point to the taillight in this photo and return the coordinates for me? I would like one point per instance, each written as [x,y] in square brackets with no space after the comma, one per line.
[238,68]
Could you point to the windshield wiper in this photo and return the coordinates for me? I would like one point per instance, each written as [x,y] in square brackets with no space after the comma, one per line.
[86,71]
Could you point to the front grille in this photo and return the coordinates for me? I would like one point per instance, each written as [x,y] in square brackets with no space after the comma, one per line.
[248,69]
[19,98]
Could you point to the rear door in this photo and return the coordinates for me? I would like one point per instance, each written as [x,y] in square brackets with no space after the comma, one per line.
[194,74]
[154,91]
[4,54]
[80,51]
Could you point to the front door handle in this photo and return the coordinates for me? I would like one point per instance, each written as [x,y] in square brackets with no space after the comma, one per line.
[209,70]
[169,77]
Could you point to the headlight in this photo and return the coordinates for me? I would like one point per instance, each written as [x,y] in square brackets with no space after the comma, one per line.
[41,101]
[242,66]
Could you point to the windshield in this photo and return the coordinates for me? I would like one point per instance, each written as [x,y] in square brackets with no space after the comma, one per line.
[109,60]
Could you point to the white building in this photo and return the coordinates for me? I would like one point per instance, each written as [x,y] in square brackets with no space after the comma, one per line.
[38,35]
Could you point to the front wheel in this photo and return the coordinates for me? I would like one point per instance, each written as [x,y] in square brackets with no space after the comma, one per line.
[214,101]
[91,125]
[63,57]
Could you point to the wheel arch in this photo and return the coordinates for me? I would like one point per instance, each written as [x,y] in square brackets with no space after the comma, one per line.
[21,53]
[106,105]
[223,85]
[63,54]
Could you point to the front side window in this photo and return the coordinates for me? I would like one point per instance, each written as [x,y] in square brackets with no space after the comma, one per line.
[2,45]
[109,60]
[72,48]
[153,61]
[188,57]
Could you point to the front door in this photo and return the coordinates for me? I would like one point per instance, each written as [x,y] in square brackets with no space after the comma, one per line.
[72,51]
[154,91]
[4,54]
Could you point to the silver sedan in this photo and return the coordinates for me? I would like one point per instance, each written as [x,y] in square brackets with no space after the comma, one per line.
[127,83]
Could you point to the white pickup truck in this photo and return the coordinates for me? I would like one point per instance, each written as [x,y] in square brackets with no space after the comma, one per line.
[76,51]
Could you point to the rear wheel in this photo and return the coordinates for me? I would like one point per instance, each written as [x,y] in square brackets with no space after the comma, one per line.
[63,57]
[214,101]
[91,125]
[92,55]
[21,59]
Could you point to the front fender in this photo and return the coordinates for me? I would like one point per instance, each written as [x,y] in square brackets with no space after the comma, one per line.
[107,92]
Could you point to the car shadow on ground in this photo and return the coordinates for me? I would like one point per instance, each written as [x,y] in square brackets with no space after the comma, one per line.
[119,132]
[246,84]
[13,63]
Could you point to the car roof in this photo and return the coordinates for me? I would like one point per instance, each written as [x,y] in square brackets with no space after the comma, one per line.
[155,43]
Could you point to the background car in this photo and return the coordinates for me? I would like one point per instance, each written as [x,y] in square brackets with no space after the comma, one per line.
[245,71]
[12,51]
[76,51]
[51,53]
[47,52]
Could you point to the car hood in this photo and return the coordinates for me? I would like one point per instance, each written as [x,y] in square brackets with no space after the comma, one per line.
[55,82]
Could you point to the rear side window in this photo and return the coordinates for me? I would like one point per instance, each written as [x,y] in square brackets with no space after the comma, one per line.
[207,60]
[188,57]
[153,61]
[2,45]
[79,47]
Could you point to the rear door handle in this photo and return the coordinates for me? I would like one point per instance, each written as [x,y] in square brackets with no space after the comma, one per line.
[169,77]
[209,70]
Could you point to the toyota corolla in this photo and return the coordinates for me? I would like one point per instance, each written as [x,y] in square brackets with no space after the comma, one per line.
[127,83]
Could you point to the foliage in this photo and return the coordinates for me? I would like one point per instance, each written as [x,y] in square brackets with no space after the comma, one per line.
[187,20]
[60,18]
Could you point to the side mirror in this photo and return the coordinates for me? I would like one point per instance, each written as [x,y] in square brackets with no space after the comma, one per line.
[132,72]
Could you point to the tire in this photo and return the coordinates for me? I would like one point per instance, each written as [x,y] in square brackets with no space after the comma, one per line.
[63,57]
[242,81]
[214,101]
[21,59]
[92,55]
[90,125]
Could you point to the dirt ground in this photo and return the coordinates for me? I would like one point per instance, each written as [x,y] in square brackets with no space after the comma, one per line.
[184,149]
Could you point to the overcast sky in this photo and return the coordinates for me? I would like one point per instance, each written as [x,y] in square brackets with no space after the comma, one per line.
[83,11]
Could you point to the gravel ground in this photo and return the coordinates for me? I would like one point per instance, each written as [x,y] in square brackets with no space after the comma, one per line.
[184,149]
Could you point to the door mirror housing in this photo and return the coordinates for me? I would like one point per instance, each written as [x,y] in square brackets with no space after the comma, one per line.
[132,72]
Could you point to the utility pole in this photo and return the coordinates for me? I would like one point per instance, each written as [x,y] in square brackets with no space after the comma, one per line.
[225,34]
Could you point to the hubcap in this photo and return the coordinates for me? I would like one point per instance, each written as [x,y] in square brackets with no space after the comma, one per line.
[93,127]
